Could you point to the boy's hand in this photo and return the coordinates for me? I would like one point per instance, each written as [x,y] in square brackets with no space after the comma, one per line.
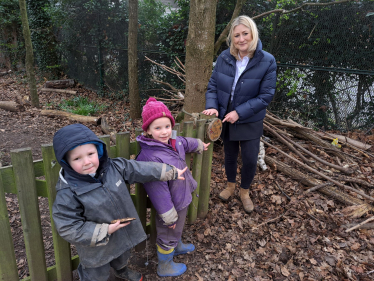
[206,145]
[172,226]
[113,227]
[180,173]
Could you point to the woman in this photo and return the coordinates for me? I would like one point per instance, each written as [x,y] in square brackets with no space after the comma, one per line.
[241,87]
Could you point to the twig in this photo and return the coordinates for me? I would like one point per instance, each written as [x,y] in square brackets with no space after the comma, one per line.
[165,83]
[270,220]
[288,197]
[354,180]
[318,173]
[316,187]
[361,223]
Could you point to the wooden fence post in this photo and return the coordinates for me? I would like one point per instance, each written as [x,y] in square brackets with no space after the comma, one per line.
[140,199]
[188,132]
[196,173]
[28,204]
[204,193]
[61,247]
[8,266]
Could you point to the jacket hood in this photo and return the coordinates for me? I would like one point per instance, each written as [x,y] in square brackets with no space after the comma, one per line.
[72,136]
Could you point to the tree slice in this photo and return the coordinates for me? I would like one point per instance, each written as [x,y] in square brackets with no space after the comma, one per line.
[124,220]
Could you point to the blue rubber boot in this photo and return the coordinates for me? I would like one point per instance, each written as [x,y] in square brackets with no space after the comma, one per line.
[166,266]
[183,248]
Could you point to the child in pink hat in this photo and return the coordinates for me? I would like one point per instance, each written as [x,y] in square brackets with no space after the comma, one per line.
[170,199]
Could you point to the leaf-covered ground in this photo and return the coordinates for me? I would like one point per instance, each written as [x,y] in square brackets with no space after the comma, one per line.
[295,237]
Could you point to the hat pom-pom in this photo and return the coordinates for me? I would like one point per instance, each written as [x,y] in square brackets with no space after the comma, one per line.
[150,100]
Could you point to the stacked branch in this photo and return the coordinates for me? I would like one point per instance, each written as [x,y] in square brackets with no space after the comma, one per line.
[333,171]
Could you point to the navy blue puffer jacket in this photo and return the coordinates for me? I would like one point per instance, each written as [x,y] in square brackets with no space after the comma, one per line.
[254,90]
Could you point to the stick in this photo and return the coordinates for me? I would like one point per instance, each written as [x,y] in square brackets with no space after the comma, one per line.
[288,197]
[314,188]
[270,220]
[361,223]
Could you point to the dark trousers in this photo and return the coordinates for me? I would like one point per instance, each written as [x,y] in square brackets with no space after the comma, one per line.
[168,238]
[102,273]
[249,153]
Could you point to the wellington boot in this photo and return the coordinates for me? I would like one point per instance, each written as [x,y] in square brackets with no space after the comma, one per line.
[183,248]
[247,202]
[167,267]
[228,191]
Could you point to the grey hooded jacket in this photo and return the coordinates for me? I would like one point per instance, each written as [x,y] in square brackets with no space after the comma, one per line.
[85,205]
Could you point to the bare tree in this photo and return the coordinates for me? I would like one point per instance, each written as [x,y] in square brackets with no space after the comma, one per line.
[29,55]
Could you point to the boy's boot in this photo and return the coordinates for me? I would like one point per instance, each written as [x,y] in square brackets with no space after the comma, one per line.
[228,191]
[183,248]
[166,265]
[128,274]
[247,202]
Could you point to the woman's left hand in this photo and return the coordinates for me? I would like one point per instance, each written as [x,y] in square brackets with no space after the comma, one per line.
[231,117]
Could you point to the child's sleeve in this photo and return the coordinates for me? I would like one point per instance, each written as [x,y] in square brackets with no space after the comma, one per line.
[192,145]
[141,172]
[72,226]
[159,194]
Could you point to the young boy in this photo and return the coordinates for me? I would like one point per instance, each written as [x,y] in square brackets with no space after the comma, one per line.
[91,192]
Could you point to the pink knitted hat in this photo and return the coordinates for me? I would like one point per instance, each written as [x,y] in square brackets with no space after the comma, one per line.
[154,109]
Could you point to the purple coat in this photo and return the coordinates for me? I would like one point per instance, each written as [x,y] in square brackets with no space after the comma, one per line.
[169,197]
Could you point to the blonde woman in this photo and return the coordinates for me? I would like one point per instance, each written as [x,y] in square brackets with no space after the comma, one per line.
[241,87]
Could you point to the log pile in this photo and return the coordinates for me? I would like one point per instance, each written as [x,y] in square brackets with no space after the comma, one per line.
[326,163]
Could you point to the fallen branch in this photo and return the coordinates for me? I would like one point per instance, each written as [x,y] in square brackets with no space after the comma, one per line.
[357,226]
[72,116]
[60,84]
[11,106]
[57,91]
[344,139]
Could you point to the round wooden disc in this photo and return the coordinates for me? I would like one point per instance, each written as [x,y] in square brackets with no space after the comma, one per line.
[214,129]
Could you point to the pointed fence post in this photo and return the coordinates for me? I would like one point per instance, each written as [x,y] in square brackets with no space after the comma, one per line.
[29,208]
[61,247]
[196,173]
[8,266]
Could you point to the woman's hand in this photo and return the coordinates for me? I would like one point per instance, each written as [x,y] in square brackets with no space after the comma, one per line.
[113,227]
[180,173]
[231,117]
[210,111]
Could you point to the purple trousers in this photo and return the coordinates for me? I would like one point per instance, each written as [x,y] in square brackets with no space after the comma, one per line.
[168,238]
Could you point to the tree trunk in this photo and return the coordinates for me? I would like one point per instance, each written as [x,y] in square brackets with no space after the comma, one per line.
[133,60]
[29,55]
[58,91]
[199,53]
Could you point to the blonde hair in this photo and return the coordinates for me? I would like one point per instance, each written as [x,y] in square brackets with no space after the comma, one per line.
[249,23]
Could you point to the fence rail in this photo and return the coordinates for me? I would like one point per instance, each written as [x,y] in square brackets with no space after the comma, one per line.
[21,178]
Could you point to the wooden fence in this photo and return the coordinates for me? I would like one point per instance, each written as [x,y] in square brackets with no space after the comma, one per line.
[21,178]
